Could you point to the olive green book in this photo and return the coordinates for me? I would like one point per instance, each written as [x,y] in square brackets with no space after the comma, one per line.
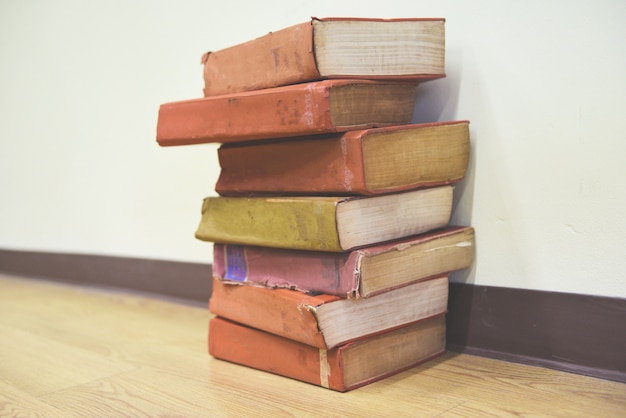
[322,223]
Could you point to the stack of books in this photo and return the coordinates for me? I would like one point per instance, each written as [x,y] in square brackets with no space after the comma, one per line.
[332,243]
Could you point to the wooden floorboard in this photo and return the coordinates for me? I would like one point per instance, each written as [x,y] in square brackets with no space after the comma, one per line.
[76,351]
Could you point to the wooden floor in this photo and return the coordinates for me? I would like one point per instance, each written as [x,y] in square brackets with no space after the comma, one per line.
[70,351]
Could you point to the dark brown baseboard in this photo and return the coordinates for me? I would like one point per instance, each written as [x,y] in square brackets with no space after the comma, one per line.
[575,333]
[180,280]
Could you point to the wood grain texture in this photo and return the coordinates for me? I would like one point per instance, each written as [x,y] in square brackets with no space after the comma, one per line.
[72,351]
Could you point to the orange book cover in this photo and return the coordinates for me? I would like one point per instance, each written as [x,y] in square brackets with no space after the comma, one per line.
[271,310]
[359,162]
[343,368]
[295,110]
[295,54]
[326,321]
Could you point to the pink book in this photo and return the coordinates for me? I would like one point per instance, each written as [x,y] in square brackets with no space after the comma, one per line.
[360,273]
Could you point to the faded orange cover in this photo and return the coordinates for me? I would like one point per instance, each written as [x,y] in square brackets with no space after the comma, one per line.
[301,109]
[280,58]
[261,350]
[324,164]
[280,311]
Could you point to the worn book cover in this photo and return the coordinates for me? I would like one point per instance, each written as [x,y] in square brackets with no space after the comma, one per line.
[294,110]
[325,321]
[360,273]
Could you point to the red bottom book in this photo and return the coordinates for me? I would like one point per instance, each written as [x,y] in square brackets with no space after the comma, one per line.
[342,368]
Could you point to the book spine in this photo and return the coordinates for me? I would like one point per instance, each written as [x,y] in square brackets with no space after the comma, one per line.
[263,351]
[303,224]
[323,165]
[278,58]
[318,272]
[272,113]
[278,311]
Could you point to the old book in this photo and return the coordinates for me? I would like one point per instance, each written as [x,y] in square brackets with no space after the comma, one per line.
[360,273]
[326,321]
[362,162]
[343,368]
[295,110]
[323,223]
[411,49]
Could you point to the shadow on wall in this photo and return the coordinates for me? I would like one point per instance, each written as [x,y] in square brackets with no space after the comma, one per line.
[437,101]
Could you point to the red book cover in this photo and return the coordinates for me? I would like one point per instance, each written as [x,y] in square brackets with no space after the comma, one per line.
[343,368]
[360,162]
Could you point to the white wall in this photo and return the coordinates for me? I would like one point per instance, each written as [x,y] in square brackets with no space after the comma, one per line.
[542,83]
